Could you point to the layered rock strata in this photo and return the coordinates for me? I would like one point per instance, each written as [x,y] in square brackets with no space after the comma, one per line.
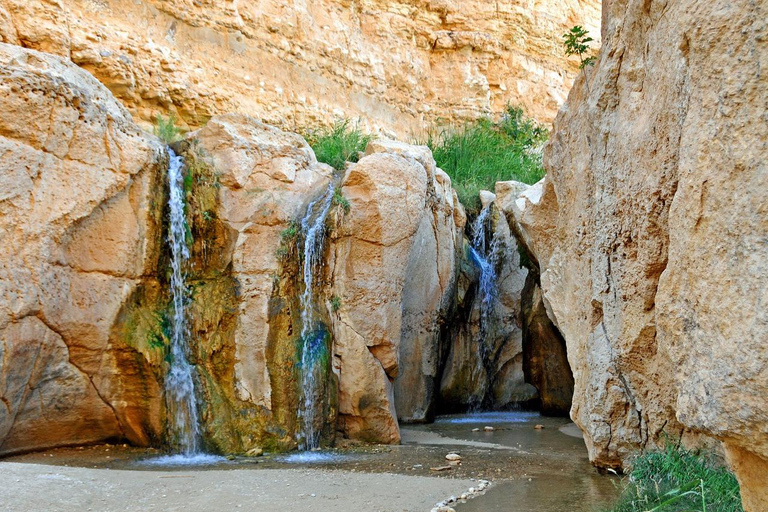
[398,67]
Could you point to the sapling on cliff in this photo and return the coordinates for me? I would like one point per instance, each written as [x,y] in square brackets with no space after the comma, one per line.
[576,43]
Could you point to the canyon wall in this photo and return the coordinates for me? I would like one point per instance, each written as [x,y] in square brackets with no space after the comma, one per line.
[650,232]
[398,66]
[80,233]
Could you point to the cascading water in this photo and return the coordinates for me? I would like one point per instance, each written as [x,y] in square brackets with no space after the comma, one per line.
[180,382]
[484,251]
[313,334]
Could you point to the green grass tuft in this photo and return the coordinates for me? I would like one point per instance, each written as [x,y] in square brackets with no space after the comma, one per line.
[677,480]
[479,154]
[338,144]
[166,129]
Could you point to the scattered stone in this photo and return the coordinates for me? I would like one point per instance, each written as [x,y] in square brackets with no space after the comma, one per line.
[231,457]
[453,456]
[441,468]
[539,427]
[488,429]
[255,452]
[476,429]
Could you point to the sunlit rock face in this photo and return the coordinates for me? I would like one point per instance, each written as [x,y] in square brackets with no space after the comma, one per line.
[393,259]
[650,233]
[397,66]
[80,233]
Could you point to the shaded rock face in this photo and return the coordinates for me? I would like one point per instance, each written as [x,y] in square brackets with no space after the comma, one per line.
[393,261]
[394,66]
[73,258]
[651,233]
[483,367]
[545,359]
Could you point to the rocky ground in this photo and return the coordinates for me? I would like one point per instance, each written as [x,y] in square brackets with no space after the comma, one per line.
[528,467]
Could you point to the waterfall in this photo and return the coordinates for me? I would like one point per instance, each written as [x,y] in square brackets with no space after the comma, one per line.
[180,382]
[312,332]
[485,252]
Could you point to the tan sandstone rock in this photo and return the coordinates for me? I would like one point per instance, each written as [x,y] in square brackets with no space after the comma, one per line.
[652,239]
[392,261]
[80,233]
[397,66]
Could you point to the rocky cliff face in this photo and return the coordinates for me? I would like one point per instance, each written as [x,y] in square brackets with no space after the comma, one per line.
[650,233]
[398,66]
[72,257]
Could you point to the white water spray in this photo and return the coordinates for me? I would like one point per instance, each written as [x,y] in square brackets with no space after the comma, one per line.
[485,252]
[312,334]
[180,382]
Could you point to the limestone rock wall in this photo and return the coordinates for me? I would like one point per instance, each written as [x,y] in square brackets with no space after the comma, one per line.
[393,266]
[398,66]
[79,235]
[651,233]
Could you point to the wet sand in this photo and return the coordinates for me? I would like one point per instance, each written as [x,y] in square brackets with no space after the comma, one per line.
[531,469]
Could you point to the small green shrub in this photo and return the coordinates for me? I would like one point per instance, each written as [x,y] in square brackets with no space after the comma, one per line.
[677,480]
[479,154]
[338,144]
[291,232]
[335,303]
[340,200]
[166,129]
[575,42]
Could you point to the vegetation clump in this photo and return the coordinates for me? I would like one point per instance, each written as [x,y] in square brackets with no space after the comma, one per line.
[338,144]
[480,153]
[677,480]
[340,201]
[165,128]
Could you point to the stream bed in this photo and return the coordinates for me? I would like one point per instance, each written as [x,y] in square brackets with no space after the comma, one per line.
[542,469]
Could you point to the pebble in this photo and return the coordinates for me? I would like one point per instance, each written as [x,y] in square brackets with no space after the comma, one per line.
[441,468]
[488,429]
[477,429]
[453,456]
[255,452]
[539,427]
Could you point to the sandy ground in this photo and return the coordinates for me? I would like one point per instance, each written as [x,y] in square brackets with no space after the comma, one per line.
[64,489]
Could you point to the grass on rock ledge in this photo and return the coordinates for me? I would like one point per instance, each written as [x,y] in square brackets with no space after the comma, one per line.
[338,144]
[478,154]
[475,155]
[677,480]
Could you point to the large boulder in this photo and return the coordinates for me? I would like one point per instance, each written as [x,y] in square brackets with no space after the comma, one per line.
[653,234]
[80,232]
[393,261]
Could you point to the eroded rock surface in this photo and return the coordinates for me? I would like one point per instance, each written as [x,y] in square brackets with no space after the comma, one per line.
[397,66]
[650,233]
[79,234]
[393,266]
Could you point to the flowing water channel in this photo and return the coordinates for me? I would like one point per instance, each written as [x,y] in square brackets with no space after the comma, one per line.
[313,333]
[484,252]
[180,380]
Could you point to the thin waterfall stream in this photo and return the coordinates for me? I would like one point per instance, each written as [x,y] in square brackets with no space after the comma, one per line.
[484,251]
[313,334]
[180,380]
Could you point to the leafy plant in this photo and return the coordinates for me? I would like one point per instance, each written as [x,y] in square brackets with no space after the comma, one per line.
[677,480]
[335,303]
[166,129]
[575,42]
[338,144]
[340,200]
[290,232]
[478,154]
